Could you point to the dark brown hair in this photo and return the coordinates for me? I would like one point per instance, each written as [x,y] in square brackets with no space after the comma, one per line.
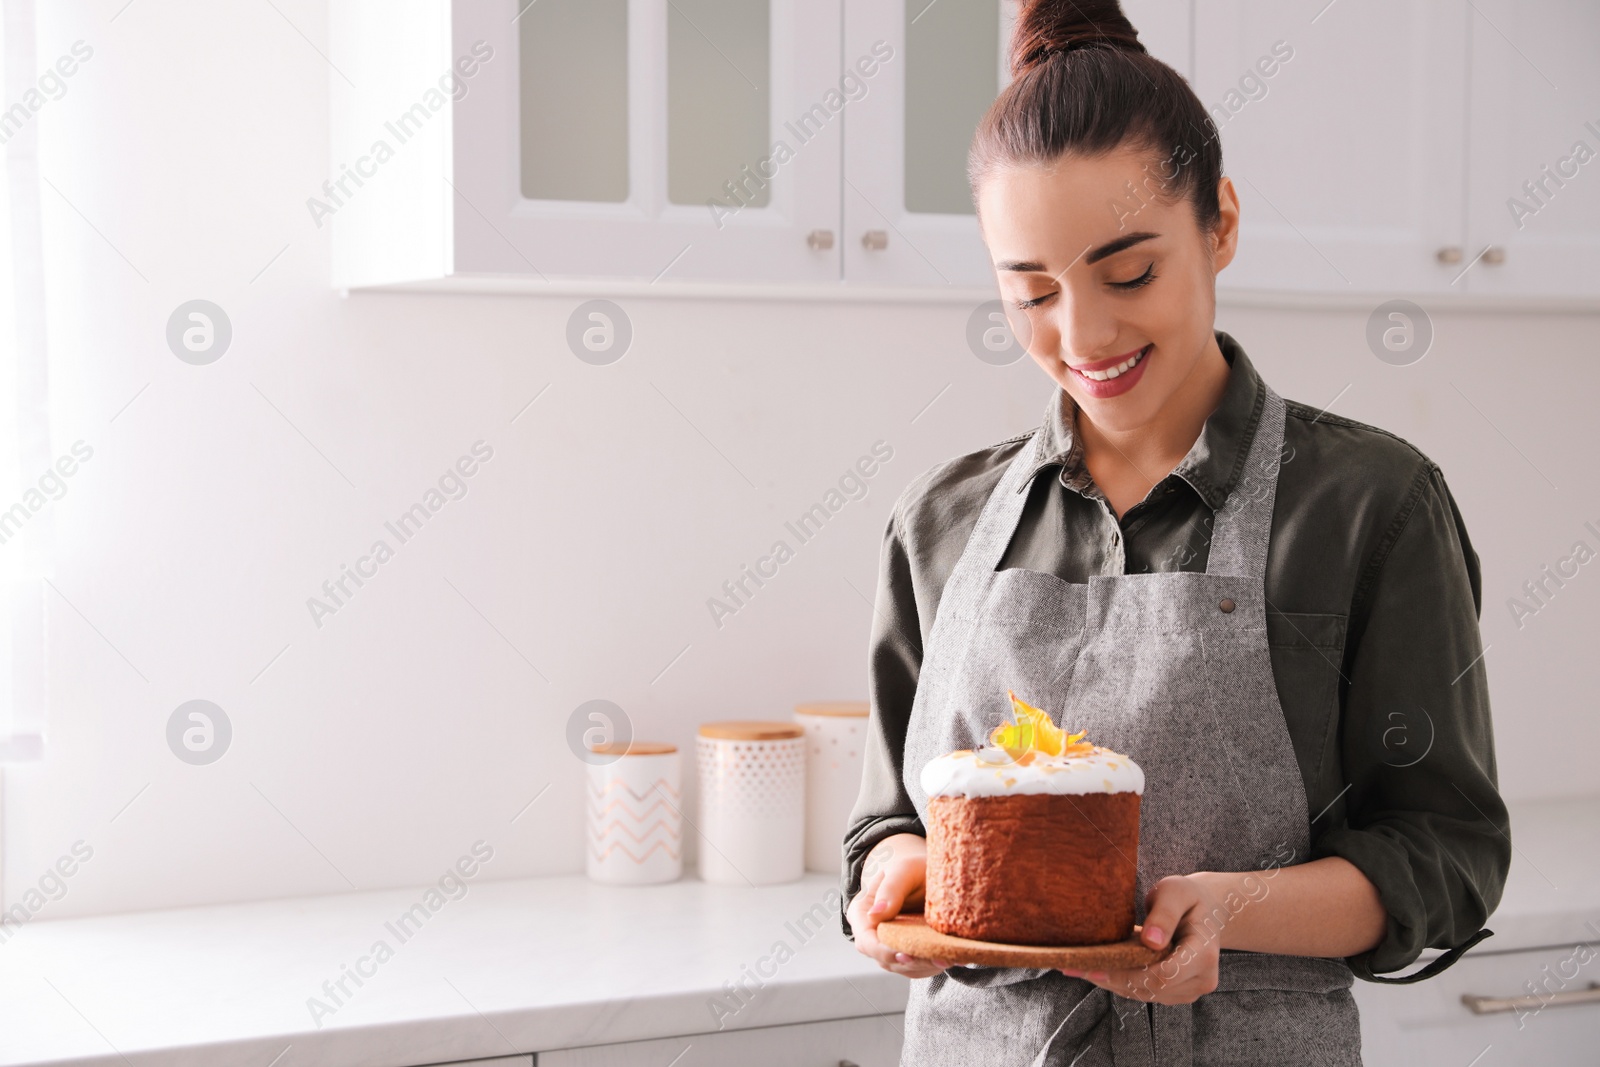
[1082,83]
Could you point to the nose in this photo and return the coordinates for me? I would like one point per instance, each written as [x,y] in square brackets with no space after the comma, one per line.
[1088,327]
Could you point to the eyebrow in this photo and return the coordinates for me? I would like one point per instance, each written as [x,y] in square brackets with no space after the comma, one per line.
[1111,248]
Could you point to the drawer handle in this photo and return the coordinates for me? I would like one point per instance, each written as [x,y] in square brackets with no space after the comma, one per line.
[1481,1005]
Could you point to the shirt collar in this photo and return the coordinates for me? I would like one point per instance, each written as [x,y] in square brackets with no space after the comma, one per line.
[1214,461]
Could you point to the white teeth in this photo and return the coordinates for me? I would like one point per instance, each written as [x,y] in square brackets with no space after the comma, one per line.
[1121,368]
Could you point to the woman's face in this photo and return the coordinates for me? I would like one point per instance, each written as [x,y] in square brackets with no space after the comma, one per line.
[1115,281]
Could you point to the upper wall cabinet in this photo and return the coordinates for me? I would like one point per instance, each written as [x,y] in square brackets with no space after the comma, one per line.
[819,146]
[1376,144]
[1345,143]
[693,140]
[1533,148]
[908,212]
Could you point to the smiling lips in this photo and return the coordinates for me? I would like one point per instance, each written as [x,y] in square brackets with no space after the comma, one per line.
[1114,376]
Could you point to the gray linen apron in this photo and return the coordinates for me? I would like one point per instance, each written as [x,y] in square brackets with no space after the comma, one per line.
[1172,669]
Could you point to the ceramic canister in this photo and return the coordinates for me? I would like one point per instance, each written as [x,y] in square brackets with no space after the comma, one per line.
[835,730]
[752,802]
[635,831]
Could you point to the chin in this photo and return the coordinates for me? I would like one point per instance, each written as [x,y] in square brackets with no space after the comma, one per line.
[1121,413]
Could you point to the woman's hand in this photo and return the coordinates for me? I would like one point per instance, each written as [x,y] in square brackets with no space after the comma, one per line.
[892,880]
[1190,907]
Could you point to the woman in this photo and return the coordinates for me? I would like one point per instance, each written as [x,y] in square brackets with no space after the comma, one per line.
[1273,609]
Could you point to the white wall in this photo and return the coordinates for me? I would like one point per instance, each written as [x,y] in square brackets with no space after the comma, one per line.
[375,749]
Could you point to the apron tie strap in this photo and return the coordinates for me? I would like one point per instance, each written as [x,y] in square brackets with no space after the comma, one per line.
[1132,1032]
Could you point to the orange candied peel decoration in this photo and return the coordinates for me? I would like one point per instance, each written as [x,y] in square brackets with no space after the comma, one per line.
[1034,732]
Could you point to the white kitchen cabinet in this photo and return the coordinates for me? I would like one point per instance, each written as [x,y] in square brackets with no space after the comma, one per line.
[907,211]
[1426,1022]
[908,214]
[585,140]
[818,147]
[1533,173]
[868,1041]
[1380,157]
[1344,137]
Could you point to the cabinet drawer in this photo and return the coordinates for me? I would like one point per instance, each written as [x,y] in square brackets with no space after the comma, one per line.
[868,1041]
[1402,1026]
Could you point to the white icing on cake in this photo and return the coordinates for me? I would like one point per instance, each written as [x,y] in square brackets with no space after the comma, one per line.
[990,772]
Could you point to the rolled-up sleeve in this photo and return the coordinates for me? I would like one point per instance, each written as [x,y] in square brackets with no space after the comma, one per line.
[1422,814]
[894,657]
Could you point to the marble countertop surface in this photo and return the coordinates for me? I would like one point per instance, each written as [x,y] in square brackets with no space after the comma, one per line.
[510,967]
[536,964]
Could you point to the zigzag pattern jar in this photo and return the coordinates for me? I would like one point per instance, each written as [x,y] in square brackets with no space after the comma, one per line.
[752,802]
[635,825]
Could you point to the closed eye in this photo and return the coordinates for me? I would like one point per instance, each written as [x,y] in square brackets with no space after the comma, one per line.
[1142,280]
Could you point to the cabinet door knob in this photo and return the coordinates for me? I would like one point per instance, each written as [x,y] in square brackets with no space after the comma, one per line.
[875,240]
[820,240]
[1494,255]
[1449,255]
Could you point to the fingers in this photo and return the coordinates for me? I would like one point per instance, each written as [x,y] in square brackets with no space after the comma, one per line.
[884,893]
[899,880]
[916,967]
[1168,901]
[865,925]
[1144,984]
[1184,976]
[868,944]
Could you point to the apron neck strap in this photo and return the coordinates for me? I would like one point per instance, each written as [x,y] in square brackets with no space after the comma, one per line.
[1241,528]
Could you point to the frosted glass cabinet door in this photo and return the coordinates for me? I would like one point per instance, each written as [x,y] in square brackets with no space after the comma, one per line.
[1343,130]
[695,140]
[908,215]
[1533,195]
[937,67]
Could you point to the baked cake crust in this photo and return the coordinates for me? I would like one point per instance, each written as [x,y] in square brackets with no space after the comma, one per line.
[1033,868]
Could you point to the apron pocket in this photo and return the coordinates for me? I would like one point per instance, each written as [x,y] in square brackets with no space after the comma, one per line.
[1307,652]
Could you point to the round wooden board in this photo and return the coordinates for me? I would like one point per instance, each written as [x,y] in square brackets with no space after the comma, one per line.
[911,935]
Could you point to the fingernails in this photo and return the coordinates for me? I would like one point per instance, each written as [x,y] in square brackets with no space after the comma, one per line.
[1073,974]
[1155,935]
[877,906]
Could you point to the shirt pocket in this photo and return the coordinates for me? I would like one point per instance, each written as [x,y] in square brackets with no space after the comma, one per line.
[1307,652]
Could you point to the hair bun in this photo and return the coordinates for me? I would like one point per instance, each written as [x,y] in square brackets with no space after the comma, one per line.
[1047,27]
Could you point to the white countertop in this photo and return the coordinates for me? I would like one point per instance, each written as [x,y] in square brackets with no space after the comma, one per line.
[524,966]
[513,966]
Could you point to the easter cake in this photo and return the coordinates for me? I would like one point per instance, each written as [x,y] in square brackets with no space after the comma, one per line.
[1033,839]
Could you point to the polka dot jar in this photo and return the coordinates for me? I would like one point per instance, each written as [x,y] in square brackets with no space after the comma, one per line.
[752,802]
[834,732]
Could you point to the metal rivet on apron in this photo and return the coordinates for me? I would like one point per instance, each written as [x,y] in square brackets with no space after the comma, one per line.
[1227,604]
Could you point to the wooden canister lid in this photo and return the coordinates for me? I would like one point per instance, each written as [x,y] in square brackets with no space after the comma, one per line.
[842,709]
[633,748]
[752,730]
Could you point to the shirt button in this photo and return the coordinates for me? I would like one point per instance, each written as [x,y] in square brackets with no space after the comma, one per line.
[1227,604]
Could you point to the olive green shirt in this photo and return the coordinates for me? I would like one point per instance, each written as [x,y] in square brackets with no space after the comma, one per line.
[1373,595]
